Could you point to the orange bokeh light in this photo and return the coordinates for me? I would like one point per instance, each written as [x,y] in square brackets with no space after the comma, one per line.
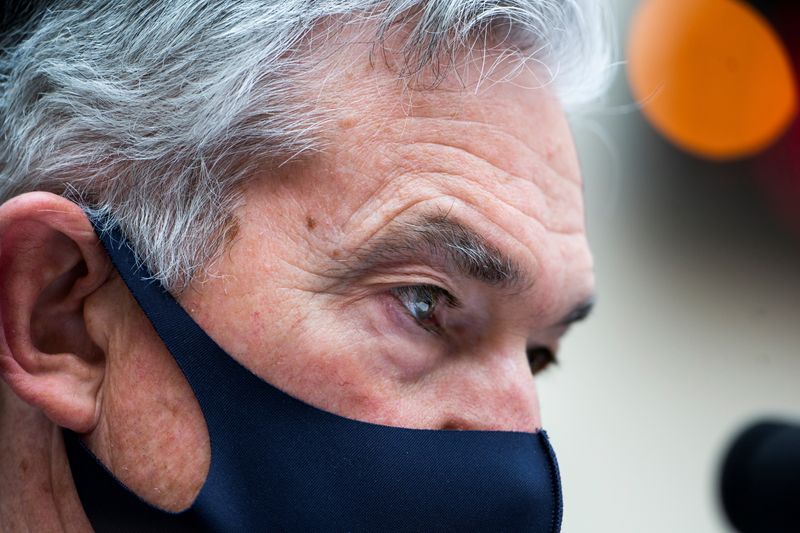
[711,75]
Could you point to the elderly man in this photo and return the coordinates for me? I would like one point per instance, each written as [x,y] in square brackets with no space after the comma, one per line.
[260,261]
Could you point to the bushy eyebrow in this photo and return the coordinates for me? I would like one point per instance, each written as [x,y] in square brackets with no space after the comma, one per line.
[449,244]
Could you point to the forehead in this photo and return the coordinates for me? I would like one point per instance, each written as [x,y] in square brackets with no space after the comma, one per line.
[469,136]
[497,156]
[367,99]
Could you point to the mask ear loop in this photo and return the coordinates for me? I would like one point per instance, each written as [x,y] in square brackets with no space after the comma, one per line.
[204,364]
[193,350]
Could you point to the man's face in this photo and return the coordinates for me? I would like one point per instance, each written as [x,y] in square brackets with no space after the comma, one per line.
[405,275]
[402,276]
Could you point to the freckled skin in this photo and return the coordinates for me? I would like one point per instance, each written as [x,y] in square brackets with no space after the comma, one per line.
[500,160]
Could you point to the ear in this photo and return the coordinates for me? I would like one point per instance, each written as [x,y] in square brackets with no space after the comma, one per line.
[51,261]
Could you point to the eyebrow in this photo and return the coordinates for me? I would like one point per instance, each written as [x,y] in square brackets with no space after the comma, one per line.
[451,246]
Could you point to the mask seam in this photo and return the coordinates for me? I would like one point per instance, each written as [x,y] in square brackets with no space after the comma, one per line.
[555,520]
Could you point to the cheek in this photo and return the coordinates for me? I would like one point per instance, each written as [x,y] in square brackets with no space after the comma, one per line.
[371,344]
[323,362]
[348,361]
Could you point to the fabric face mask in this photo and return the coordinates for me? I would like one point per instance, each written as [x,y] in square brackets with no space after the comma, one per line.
[279,464]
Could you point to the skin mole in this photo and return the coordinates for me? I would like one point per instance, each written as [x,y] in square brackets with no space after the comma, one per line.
[311,223]
[347,123]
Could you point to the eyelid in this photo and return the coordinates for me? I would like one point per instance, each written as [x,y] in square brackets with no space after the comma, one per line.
[431,290]
[401,275]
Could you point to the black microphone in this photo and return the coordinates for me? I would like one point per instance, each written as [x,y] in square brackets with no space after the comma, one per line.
[760,482]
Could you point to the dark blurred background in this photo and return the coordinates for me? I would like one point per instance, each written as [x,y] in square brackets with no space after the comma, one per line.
[697,327]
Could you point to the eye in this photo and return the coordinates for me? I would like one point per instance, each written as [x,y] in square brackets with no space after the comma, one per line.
[540,358]
[422,302]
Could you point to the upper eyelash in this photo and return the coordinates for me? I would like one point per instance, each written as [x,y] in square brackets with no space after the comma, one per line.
[552,358]
[433,291]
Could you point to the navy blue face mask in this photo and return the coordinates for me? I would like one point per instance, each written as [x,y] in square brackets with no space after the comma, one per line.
[278,464]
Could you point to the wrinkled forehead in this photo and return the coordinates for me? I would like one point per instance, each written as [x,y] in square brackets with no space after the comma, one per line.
[502,149]
[376,85]
[499,134]
[502,136]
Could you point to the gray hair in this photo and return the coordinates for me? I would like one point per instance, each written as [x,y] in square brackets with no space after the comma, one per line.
[153,114]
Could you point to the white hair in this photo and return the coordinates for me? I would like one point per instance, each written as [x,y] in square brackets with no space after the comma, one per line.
[153,114]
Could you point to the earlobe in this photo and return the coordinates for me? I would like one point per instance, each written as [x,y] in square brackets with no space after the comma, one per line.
[51,262]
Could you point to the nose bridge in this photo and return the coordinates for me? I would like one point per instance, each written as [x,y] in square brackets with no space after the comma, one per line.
[496,390]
